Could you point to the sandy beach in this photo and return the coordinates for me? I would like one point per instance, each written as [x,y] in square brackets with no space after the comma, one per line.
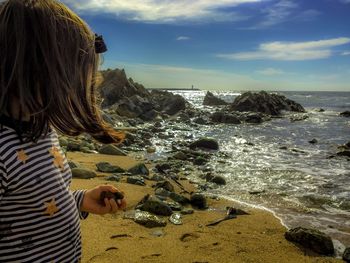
[257,237]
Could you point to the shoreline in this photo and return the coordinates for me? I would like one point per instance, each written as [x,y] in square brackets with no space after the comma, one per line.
[258,237]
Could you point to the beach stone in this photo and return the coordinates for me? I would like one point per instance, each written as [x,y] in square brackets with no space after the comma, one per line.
[344,153]
[161,192]
[73,164]
[175,206]
[106,167]
[220,180]
[176,219]
[73,146]
[114,177]
[63,141]
[163,167]
[82,173]
[180,156]
[199,201]
[205,143]
[151,149]
[187,211]
[211,100]
[140,168]
[137,180]
[312,239]
[155,206]
[165,185]
[200,161]
[179,198]
[148,220]
[223,117]
[200,121]
[345,114]
[110,149]
[157,177]
[313,141]
[254,118]
[346,255]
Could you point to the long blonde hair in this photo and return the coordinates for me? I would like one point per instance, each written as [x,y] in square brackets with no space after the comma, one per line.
[48,65]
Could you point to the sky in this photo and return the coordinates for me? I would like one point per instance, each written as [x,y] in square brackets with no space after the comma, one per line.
[225,44]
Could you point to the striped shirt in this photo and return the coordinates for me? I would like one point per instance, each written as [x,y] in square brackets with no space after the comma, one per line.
[39,215]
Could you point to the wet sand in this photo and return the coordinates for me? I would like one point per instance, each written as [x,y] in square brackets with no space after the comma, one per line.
[258,237]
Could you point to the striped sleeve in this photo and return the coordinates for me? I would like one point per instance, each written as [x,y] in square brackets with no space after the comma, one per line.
[79,196]
[3,181]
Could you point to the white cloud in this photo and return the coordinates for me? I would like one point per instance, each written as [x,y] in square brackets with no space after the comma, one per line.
[163,11]
[278,13]
[290,51]
[270,72]
[346,53]
[182,38]
[345,1]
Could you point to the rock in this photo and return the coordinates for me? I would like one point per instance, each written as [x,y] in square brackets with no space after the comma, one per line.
[205,143]
[72,165]
[255,118]
[138,180]
[271,104]
[135,106]
[199,201]
[200,121]
[217,179]
[179,198]
[211,100]
[345,114]
[82,173]
[180,156]
[312,239]
[165,185]
[175,206]
[222,117]
[161,192]
[298,117]
[187,211]
[63,141]
[106,167]
[346,255]
[168,102]
[200,161]
[140,168]
[73,145]
[176,219]
[155,206]
[148,220]
[151,149]
[110,149]
[313,141]
[114,177]
[344,153]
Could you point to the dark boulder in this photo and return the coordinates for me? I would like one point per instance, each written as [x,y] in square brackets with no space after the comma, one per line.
[205,143]
[211,100]
[155,206]
[346,255]
[345,153]
[271,104]
[167,102]
[199,201]
[345,114]
[312,239]
[82,173]
[223,117]
[106,167]
[110,149]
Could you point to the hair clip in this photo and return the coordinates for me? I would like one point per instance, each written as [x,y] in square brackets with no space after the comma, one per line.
[100,45]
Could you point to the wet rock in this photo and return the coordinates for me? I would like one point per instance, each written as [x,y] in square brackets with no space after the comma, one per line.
[222,117]
[211,100]
[312,239]
[165,185]
[205,143]
[137,180]
[298,117]
[73,145]
[345,153]
[345,114]
[151,149]
[163,167]
[216,179]
[346,255]
[199,201]
[254,118]
[168,102]
[114,178]
[82,173]
[175,206]
[271,104]
[187,211]
[200,161]
[106,167]
[162,192]
[179,198]
[110,149]
[140,168]
[313,141]
[155,206]
[201,121]
[180,156]
[63,141]
[148,220]
[176,219]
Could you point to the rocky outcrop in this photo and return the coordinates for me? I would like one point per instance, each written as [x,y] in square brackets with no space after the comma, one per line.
[129,99]
[345,114]
[271,104]
[211,100]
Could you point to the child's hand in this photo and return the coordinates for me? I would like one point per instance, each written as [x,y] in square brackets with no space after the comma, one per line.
[91,202]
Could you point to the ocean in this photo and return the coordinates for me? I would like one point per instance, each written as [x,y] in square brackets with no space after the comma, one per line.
[273,165]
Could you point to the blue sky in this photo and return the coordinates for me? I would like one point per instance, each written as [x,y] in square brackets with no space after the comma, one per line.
[226,44]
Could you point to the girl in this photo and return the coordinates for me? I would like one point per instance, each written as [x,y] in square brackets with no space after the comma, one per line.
[49,59]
